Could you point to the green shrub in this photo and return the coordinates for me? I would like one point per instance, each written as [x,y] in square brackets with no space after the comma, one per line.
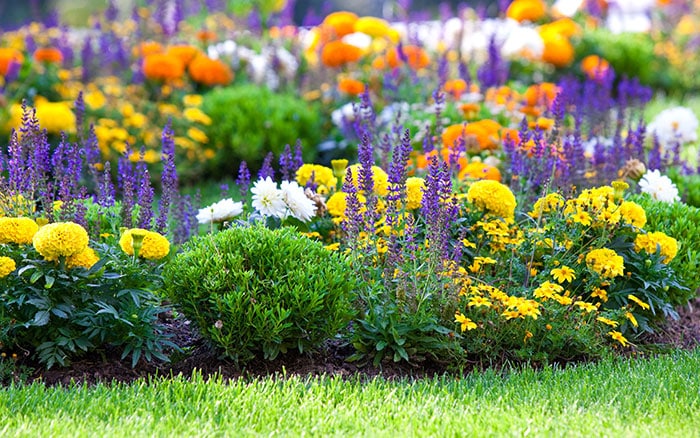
[250,121]
[682,222]
[253,290]
[688,186]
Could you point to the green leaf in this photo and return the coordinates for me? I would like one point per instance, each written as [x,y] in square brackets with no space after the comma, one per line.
[41,318]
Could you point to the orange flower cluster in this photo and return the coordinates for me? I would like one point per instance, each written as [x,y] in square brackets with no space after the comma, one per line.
[337,54]
[558,49]
[210,72]
[147,48]
[351,86]
[184,53]
[417,57]
[9,56]
[527,10]
[480,135]
[162,67]
[338,24]
[48,55]
[594,66]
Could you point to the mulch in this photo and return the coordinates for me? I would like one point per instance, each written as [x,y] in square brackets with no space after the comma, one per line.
[330,360]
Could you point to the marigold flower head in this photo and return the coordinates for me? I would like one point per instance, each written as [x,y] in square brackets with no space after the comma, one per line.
[323,177]
[540,94]
[19,230]
[7,266]
[372,26]
[414,192]
[526,10]
[337,54]
[633,214]
[55,117]
[605,262]
[639,302]
[9,56]
[185,53]
[607,321]
[558,50]
[210,72]
[655,241]
[162,67]
[456,87]
[379,177]
[48,55]
[338,24]
[480,170]
[492,197]
[146,48]
[337,204]
[60,239]
[153,247]
[85,259]
[563,274]
[351,86]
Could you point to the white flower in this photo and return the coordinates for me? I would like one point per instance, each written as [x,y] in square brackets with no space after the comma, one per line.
[220,211]
[267,198]
[298,204]
[674,125]
[660,187]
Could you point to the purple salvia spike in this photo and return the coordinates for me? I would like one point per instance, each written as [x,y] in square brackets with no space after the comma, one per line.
[145,197]
[286,162]
[266,170]
[126,180]
[106,194]
[169,179]
[243,179]
[298,157]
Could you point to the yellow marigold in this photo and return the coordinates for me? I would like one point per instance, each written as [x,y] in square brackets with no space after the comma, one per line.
[19,230]
[337,204]
[633,214]
[526,10]
[7,266]
[210,72]
[9,56]
[657,241]
[153,247]
[162,67]
[196,115]
[60,239]
[55,116]
[492,197]
[379,177]
[605,262]
[414,192]
[372,26]
[547,204]
[323,177]
[338,24]
[84,259]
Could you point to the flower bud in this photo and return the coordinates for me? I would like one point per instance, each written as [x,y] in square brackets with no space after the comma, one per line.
[633,169]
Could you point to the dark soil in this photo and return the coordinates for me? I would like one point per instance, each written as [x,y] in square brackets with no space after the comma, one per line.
[330,360]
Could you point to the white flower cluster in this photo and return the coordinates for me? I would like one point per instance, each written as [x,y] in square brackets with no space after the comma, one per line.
[287,200]
[219,212]
[660,187]
[674,125]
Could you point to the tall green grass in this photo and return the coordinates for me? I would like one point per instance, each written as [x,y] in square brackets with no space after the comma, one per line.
[616,397]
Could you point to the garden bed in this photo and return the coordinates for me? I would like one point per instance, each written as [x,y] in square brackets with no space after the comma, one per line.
[683,333]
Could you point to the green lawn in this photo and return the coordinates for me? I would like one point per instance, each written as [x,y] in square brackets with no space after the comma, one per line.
[616,397]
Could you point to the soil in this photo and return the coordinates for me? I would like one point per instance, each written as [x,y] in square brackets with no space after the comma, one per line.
[683,333]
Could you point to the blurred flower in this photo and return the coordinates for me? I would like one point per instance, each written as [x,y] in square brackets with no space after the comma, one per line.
[337,53]
[338,24]
[558,50]
[9,56]
[480,170]
[146,48]
[351,86]
[184,53]
[594,66]
[415,56]
[48,55]
[674,125]
[660,187]
[55,117]
[372,26]
[527,10]
[210,72]
[162,67]
[219,211]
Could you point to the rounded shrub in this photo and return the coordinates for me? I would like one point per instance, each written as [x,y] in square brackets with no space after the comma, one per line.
[250,121]
[253,291]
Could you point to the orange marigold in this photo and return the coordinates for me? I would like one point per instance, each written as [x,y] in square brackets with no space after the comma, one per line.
[594,66]
[147,48]
[456,87]
[417,57]
[162,67]
[351,86]
[9,56]
[184,53]
[526,10]
[558,50]
[49,55]
[340,23]
[540,94]
[210,72]
[338,53]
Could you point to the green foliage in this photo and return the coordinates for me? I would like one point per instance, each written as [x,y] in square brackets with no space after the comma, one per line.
[60,313]
[249,121]
[688,186]
[682,222]
[253,291]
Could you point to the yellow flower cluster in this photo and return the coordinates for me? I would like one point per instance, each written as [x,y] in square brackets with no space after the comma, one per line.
[552,291]
[605,262]
[7,266]
[379,177]
[414,192]
[323,177]
[153,247]
[60,239]
[596,206]
[19,230]
[633,214]
[492,197]
[510,307]
[547,204]
[657,241]
[84,259]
